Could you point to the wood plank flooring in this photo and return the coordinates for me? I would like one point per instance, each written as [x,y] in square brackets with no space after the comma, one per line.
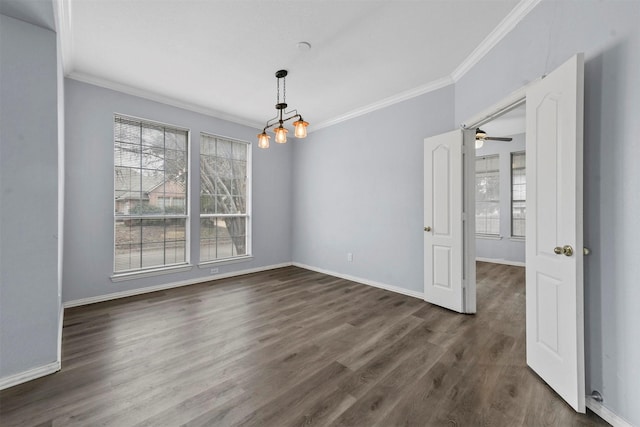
[291,347]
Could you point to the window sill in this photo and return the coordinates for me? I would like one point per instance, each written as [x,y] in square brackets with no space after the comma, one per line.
[121,277]
[517,238]
[489,236]
[208,264]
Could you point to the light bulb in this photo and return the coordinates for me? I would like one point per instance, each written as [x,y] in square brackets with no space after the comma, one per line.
[281,135]
[300,128]
[263,140]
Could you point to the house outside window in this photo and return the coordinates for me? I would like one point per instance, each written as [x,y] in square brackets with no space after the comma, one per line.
[518,194]
[150,195]
[224,198]
[488,195]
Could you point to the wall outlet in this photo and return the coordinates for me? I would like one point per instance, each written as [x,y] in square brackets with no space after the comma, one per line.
[214,270]
[349,257]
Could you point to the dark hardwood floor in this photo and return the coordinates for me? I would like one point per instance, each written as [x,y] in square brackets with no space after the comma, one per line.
[294,347]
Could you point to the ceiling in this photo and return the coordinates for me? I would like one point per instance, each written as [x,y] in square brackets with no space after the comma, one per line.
[220,56]
[508,124]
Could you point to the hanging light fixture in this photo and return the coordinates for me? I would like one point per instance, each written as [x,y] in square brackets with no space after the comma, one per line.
[300,126]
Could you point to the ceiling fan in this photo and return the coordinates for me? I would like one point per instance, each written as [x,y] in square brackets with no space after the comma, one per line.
[481,137]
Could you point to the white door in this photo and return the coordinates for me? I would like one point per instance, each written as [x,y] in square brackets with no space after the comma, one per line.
[554,258]
[443,220]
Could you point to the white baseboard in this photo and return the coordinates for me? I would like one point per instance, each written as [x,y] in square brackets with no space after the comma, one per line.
[60,326]
[368,282]
[31,374]
[140,291]
[606,413]
[501,261]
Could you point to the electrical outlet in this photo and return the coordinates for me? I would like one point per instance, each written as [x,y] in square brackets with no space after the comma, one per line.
[349,257]
[214,270]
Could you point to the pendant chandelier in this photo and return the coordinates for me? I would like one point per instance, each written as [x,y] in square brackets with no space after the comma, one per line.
[300,126]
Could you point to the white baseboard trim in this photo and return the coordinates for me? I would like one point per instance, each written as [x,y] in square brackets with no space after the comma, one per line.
[60,326]
[368,282]
[31,374]
[140,291]
[606,413]
[501,261]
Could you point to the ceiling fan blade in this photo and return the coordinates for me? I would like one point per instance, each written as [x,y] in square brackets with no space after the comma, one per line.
[495,138]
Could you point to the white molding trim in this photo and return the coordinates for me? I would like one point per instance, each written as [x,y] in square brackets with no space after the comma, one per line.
[501,261]
[606,414]
[60,327]
[62,17]
[360,280]
[148,289]
[386,102]
[31,374]
[505,26]
[152,96]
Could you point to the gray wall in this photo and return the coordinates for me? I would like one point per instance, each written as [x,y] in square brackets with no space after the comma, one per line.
[29,302]
[608,33]
[507,248]
[359,188]
[88,245]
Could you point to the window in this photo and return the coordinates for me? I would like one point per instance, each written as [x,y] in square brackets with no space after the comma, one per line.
[488,195]
[518,194]
[150,197]
[224,210]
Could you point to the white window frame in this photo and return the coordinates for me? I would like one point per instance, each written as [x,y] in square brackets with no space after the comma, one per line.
[248,206]
[121,275]
[511,169]
[481,234]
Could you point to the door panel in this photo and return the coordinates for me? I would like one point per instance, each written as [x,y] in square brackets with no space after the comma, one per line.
[554,276]
[443,220]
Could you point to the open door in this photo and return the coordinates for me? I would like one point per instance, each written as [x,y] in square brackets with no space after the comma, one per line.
[443,208]
[554,247]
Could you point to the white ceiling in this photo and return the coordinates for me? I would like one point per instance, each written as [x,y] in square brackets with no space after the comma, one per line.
[508,124]
[220,56]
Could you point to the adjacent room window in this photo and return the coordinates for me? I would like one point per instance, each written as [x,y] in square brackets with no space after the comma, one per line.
[224,201]
[488,195]
[150,197]
[518,194]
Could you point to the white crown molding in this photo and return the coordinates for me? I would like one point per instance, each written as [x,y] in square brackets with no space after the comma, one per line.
[606,414]
[62,17]
[31,374]
[146,290]
[362,281]
[386,102]
[499,32]
[152,96]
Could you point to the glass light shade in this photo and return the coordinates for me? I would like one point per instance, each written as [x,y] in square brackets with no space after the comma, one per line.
[300,129]
[479,143]
[263,140]
[281,135]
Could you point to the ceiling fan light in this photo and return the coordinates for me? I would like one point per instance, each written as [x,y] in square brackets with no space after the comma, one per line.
[300,128]
[480,134]
[263,140]
[281,135]
[479,143]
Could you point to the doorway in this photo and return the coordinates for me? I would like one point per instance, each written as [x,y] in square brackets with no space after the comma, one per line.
[554,244]
[500,193]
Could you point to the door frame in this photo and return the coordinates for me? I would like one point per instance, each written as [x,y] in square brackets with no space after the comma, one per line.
[512,101]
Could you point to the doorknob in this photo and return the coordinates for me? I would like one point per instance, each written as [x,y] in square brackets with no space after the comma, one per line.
[427,228]
[565,250]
